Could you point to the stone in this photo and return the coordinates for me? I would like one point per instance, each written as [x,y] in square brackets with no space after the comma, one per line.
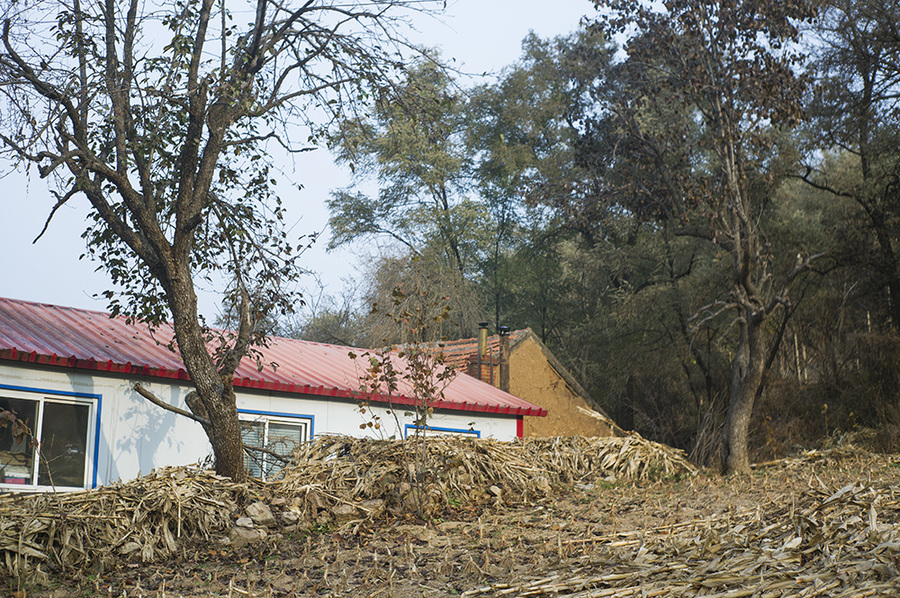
[244,522]
[496,491]
[261,514]
[343,513]
[291,517]
[242,536]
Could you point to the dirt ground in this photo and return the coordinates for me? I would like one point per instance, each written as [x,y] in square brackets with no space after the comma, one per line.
[527,550]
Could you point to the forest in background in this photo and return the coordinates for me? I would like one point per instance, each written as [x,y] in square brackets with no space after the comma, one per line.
[685,208]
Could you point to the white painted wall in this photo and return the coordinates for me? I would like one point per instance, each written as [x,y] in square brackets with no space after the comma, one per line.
[132,436]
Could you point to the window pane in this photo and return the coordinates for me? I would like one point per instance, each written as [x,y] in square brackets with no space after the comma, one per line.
[16,454]
[64,431]
[253,434]
[278,437]
[283,440]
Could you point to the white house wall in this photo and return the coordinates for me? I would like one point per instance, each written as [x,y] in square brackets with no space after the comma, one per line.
[129,435]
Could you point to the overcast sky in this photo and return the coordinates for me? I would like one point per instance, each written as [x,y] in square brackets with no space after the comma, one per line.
[481,35]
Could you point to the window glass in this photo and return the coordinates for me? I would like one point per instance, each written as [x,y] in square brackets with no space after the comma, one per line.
[254,434]
[16,454]
[283,440]
[279,436]
[64,430]
[59,429]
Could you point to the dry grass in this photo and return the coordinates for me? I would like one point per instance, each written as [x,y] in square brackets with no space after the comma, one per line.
[824,523]
[151,517]
[825,543]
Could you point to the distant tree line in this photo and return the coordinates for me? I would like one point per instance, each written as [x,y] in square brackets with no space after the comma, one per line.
[693,203]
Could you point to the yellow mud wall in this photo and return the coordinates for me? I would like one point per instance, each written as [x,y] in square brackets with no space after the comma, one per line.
[531,377]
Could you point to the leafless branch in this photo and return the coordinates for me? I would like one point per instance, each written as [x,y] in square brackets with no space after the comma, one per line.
[60,201]
[160,403]
[258,449]
[712,311]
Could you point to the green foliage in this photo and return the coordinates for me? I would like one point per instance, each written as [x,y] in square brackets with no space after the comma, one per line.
[410,145]
[853,140]
[641,205]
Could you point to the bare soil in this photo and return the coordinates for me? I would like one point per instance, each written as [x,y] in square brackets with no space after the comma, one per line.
[588,528]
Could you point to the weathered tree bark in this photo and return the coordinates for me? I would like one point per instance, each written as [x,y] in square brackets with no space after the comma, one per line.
[747,373]
[214,389]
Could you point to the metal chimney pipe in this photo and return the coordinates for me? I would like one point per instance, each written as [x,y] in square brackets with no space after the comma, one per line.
[482,338]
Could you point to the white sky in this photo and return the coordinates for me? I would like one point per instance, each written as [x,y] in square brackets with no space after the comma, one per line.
[482,35]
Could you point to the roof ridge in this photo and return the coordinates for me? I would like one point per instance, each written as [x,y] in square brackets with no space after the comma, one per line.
[57,306]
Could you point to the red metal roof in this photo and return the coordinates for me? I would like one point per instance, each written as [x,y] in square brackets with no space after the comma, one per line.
[82,339]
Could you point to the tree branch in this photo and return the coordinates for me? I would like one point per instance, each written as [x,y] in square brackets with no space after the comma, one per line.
[59,203]
[160,403]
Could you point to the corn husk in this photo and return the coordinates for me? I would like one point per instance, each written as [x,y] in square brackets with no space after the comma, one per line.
[335,478]
[837,542]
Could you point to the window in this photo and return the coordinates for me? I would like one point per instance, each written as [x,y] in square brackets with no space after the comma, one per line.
[280,435]
[55,450]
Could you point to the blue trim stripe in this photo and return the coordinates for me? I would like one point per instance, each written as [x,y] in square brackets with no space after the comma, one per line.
[46,391]
[95,481]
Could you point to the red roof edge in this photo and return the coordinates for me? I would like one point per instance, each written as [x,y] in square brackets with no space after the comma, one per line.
[180,374]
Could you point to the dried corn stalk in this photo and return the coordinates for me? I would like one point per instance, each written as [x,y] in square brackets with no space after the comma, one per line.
[843,542]
[149,518]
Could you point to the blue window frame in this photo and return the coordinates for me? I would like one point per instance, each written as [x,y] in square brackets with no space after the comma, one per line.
[59,449]
[279,433]
[441,431]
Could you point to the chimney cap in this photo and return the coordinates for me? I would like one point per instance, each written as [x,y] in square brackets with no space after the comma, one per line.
[482,324]
[503,330]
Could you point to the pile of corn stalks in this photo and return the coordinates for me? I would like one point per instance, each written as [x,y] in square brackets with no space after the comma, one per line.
[148,517]
[463,468]
[839,543]
[152,517]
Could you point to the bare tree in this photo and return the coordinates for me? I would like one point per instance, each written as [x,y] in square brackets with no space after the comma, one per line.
[159,113]
[695,113]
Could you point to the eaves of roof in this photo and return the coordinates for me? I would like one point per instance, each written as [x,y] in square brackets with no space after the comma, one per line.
[55,336]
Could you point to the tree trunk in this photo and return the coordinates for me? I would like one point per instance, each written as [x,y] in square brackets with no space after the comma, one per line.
[746,377]
[215,390]
[226,437]
[887,265]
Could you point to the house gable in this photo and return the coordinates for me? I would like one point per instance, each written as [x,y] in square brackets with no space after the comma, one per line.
[537,376]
